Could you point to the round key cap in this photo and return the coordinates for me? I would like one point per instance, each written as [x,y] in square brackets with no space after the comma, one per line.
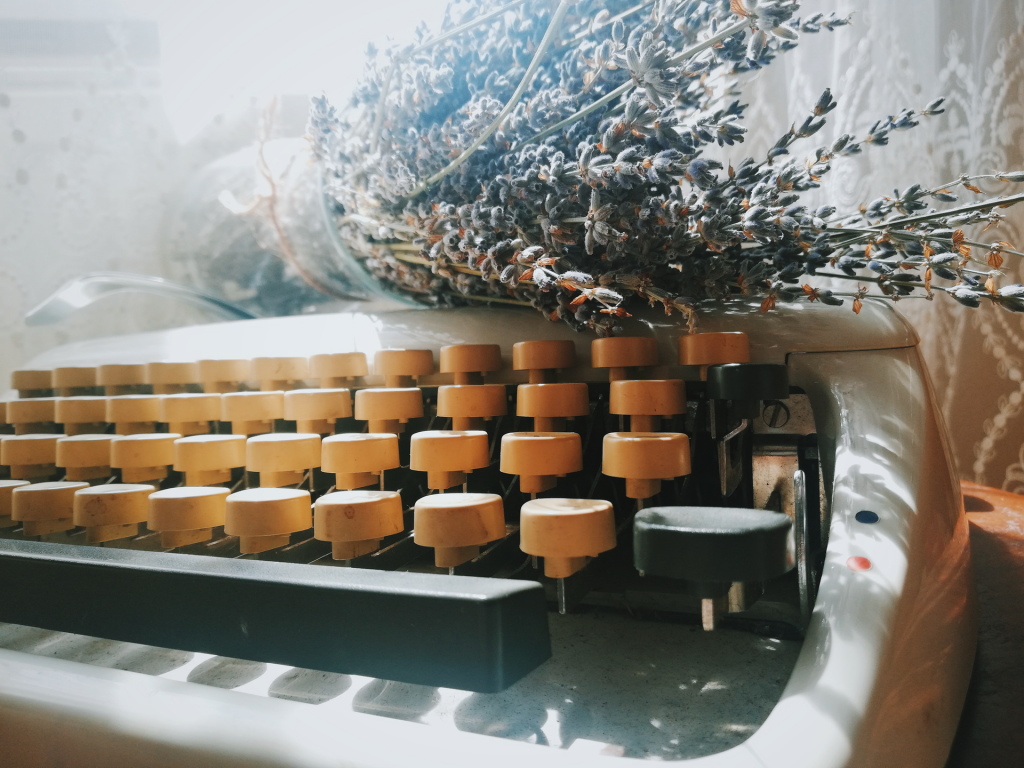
[218,376]
[264,518]
[143,457]
[717,348]
[69,382]
[644,459]
[400,366]
[45,508]
[387,410]
[81,415]
[355,521]
[186,516]
[279,373]
[470,361]
[566,532]
[316,410]
[339,370]
[447,456]
[32,416]
[84,457]
[209,459]
[283,458]
[32,383]
[29,456]
[647,401]
[122,379]
[457,524]
[133,414]
[358,458]
[7,501]
[549,405]
[543,358]
[540,457]
[110,512]
[189,414]
[172,378]
[468,406]
[620,353]
[252,413]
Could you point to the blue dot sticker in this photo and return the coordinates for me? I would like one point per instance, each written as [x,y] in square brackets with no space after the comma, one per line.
[866,516]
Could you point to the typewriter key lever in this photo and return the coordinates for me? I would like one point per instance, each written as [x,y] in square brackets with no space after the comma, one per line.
[539,458]
[220,376]
[469,405]
[646,402]
[710,548]
[265,518]
[84,457]
[186,515]
[208,459]
[543,358]
[44,508]
[456,525]
[111,512]
[7,501]
[358,459]
[644,459]
[468,362]
[339,370]
[448,456]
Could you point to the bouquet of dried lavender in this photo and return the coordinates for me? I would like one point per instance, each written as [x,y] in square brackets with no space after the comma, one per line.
[555,156]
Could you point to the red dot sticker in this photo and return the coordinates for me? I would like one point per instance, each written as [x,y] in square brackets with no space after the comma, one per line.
[858,564]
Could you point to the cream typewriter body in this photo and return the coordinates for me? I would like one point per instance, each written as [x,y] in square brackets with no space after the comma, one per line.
[473,537]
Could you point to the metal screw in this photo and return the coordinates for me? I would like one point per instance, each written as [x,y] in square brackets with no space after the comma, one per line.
[775,414]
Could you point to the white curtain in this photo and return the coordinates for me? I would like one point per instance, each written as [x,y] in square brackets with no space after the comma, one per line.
[89,155]
[903,54]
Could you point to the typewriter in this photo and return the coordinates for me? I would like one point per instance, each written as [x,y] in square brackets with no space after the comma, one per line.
[474,537]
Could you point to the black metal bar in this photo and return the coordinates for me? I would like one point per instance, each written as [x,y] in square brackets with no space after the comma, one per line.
[447,631]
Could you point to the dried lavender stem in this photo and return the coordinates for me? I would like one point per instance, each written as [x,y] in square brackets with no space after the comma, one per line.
[545,43]
[990,203]
[614,94]
[612,20]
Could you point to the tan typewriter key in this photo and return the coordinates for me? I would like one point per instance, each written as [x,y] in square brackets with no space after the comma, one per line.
[84,457]
[32,383]
[549,405]
[540,457]
[7,501]
[447,456]
[316,410]
[647,401]
[143,457]
[619,354]
[133,414]
[279,373]
[252,413]
[339,370]
[218,376]
[29,456]
[387,410]
[470,361]
[355,521]
[186,516]
[32,416]
[644,459]
[69,382]
[209,459]
[468,406]
[719,348]
[111,512]
[543,358]
[5,426]
[283,458]
[189,414]
[566,532]
[400,366]
[358,458]
[265,518]
[172,378]
[122,379]
[45,508]
[81,415]
[456,525]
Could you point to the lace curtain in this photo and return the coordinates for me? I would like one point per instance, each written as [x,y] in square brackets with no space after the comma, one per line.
[88,166]
[903,55]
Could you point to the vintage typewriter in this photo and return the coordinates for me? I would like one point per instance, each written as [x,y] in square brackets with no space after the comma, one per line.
[473,537]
